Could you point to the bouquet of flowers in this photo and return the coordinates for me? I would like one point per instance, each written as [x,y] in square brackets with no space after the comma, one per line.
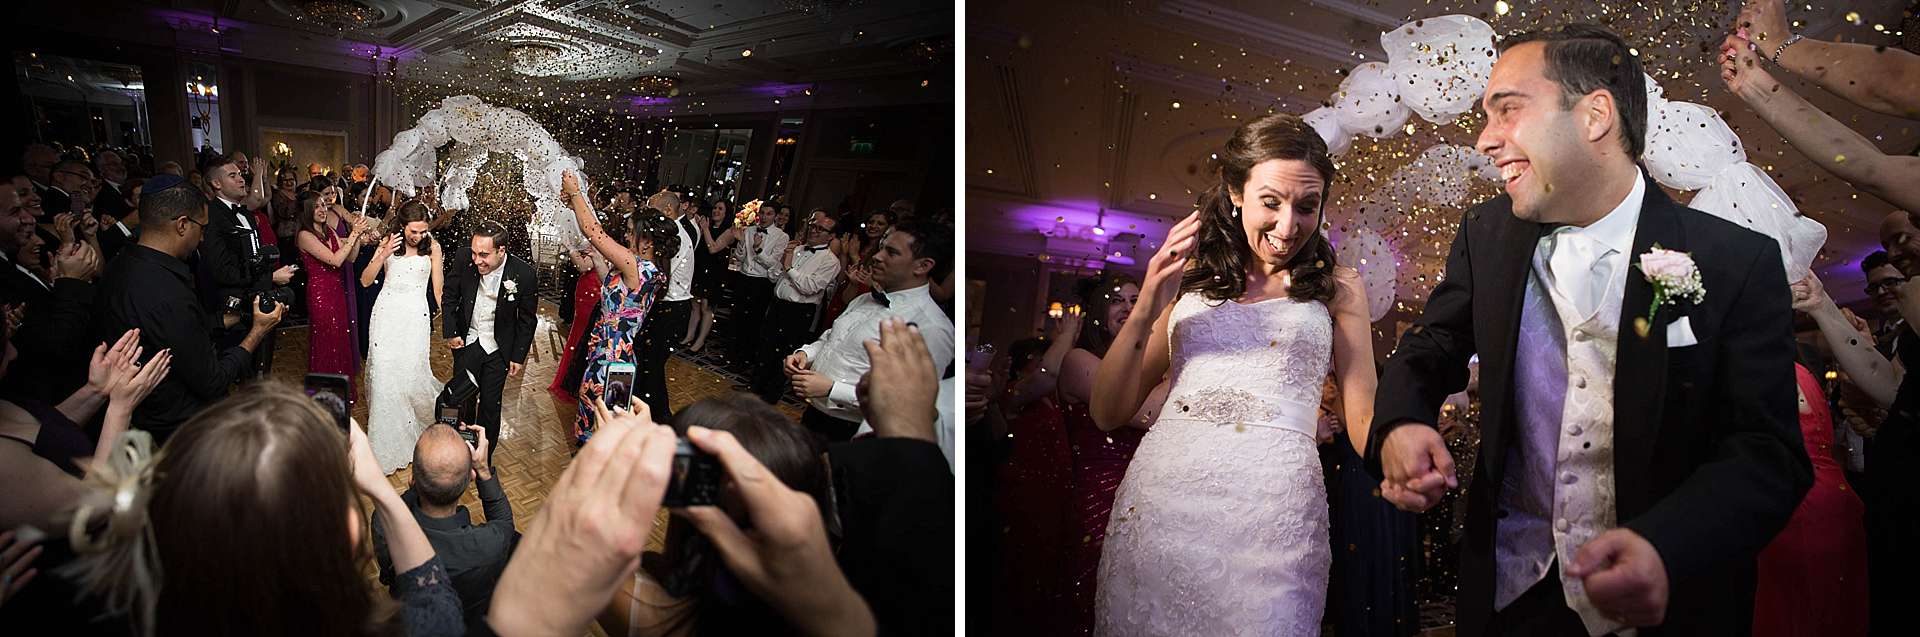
[749,214]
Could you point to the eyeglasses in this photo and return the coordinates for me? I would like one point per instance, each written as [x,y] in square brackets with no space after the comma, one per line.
[1883,285]
[203,226]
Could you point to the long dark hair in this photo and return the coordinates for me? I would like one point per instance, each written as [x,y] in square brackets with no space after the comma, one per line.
[1221,256]
[239,485]
[1096,295]
[409,212]
[304,216]
[653,225]
[692,568]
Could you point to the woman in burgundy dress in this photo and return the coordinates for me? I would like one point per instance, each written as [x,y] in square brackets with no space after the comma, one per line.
[1100,458]
[586,297]
[323,252]
[1813,577]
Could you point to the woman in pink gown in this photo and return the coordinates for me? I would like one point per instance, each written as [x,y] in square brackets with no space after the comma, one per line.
[327,258]
[1813,577]
[1100,458]
[586,297]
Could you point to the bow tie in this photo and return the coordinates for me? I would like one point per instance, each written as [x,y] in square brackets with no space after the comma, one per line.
[881,298]
[813,248]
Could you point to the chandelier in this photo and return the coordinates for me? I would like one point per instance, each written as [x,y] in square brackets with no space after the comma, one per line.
[343,15]
[530,58]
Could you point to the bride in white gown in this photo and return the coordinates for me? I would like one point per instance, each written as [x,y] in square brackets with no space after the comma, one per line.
[400,381]
[1220,525]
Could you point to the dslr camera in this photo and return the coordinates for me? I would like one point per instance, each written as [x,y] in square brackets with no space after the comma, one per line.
[264,262]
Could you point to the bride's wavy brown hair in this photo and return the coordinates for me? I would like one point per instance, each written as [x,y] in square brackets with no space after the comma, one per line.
[1220,255]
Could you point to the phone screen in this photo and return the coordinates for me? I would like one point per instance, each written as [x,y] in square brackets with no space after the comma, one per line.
[619,391]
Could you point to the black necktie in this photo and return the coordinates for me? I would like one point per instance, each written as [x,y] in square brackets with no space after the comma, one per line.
[881,298]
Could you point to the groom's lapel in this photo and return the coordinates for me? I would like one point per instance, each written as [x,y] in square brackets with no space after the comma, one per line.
[1512,256]
[1640,367]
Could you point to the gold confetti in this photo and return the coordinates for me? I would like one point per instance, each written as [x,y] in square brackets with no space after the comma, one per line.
[1501,7]
[1839,159]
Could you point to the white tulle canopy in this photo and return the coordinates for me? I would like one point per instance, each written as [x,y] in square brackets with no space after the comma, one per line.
[478,129]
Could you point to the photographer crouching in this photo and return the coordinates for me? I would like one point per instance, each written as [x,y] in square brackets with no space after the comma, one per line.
[150,287]
[242,274]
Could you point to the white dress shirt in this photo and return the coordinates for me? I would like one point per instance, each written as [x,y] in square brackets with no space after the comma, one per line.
[246,221]
[814,268]
[760,250]
[841,353]
[680,283]
[480,330]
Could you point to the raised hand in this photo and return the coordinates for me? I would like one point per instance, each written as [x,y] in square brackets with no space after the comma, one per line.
[140,380]
[569,183]
[1417,466]
[1743,70]
[1164,270]
[902,404]
[109,358]
[1625,577]
[76,260]
[389,247]
[1766,24]
[1808,293]
[1067,327]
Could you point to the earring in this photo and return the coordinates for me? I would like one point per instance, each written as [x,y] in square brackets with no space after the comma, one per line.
[1236,212]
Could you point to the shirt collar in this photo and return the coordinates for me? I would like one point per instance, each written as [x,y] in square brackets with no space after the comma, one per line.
[1615,231]
[164,260]
[230,203]
[909,294]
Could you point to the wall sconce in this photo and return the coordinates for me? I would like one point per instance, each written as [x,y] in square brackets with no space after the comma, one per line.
[1056,310]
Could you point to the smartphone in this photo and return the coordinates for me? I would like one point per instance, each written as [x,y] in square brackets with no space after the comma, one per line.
[980,358]
[696,477]
[331,392]
[619,391]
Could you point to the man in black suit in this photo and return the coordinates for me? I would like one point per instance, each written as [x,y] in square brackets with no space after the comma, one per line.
[37,161]
[491,298]
[110,203]
[17,284]
[230,266]
[1633,463]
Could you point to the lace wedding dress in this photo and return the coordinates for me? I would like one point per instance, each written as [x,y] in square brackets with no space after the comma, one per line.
[1220,525]
[400,384]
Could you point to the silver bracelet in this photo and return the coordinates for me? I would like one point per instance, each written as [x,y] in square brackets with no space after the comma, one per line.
[1783,47]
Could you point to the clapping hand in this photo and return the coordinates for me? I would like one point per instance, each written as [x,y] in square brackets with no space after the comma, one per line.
[16,560]
[108,358]
[76,260]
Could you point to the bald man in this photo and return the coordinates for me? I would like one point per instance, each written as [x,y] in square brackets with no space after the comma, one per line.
[475,555]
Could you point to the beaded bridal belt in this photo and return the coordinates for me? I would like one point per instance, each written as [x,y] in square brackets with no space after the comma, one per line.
[1241,409]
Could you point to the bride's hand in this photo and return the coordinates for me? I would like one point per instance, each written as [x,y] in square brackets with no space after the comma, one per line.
[569,183]
[1417,466]
[1164,270]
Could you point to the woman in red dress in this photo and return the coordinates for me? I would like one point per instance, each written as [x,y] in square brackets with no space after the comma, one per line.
[1813,577]
[586,297]
[323,253]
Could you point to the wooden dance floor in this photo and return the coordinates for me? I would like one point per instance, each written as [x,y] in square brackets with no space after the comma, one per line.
[537,426]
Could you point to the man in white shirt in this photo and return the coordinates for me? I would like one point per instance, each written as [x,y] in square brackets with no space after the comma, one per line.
[806,272]
[229,254]
[110,203]
[666,322]
[758,253]
[827,371]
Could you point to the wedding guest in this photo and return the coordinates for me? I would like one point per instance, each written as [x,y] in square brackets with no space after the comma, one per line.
[110,202]
[229,258]
[659,336]
[37,160]
[325,253]
[631,282]
[758,252]
[151,288]
[586,299]
[18,283]
[713,277]
[1883,281]
[825,371]
[855,247]
[1812,579]
[806,269]
[211,520]
[687,589]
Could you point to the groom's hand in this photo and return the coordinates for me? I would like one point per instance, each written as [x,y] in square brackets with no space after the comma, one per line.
[456,343]
[1624,576]
[513,369]
[1417,466]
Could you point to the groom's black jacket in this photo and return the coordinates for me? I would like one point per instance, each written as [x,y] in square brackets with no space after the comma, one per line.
[513,321]
[1708,463]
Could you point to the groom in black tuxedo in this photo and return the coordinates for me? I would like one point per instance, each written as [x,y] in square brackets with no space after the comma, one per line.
[489,317]
[1632,465]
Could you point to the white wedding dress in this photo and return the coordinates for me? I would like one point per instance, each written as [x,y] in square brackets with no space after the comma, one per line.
[401,387]
[1220,525]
